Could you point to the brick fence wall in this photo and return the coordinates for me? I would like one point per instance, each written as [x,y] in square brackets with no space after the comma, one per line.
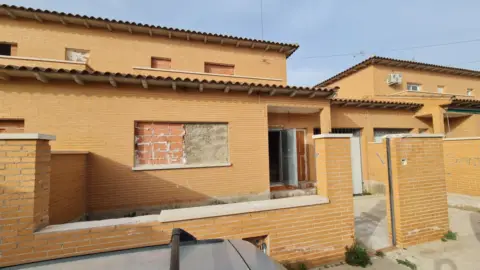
[462,165]
[313,234]
[68,186]
[420,198]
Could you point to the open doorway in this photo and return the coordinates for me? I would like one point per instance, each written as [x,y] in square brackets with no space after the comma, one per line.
[287,156]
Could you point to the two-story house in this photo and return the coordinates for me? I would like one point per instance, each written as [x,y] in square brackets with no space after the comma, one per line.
[168,116]
[446,97]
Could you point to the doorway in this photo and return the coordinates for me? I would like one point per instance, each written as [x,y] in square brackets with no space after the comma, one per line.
[287,156]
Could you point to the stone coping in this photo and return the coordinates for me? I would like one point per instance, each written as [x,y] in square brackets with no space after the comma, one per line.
[194,213]
[320,136]
[178,166]
[26,136]
[462,139]
[409,135]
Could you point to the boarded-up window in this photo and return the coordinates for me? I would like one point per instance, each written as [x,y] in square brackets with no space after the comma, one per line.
[11,126]
[161,143]
[8,49]
[77,55]
[219,68]
[158,62]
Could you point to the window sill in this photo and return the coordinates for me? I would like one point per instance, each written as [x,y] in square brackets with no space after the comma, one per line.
[174,167]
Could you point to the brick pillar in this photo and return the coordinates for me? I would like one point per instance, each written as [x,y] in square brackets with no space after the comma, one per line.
[419,189]
[438,121]
[325,120]
[24,184]
[334,167]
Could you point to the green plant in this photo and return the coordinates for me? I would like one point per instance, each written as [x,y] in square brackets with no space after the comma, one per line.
[407,263]
[380,254]
[366,193]
[302,266]
[357,255]
[450,236]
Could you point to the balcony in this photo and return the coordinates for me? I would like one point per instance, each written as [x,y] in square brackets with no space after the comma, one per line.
[205,76]
[42,62]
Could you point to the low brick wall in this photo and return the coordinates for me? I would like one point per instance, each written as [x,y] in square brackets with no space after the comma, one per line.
[462,165]
[67,186]
[312,234]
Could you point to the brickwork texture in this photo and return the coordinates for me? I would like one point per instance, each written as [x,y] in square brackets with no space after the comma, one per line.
[462,166]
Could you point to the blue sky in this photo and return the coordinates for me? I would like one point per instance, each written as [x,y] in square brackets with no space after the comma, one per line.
[360,28]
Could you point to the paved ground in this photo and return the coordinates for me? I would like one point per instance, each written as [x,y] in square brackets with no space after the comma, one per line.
[371,225]
[463,200]
[463,254]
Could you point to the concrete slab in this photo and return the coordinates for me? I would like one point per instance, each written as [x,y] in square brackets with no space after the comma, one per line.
[460,200]
[371,225]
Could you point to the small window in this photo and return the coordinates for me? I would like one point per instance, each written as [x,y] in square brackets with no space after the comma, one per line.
[219,68]
[159,62]
[8,49]
[413,87]
[469,92]
[11,126]
[440,89]
[77,55]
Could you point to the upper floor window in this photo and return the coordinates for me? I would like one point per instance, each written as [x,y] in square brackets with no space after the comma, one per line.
[77,55]
[219,68]
[469,92]
[440,89]
[413,87]
[8,49]
[160,62]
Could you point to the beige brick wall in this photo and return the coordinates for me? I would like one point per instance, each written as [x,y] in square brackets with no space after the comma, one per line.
[104,125]
[420,198]
[67,187]
[312,234]
[50,40]
[462,166]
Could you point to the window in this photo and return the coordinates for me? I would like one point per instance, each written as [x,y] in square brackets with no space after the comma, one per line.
[413,87]
[158,62]
[8,49]
[77,55]
[219,68]
[378,133]
[181,144]
[469,92]
[11,126]
[440,89]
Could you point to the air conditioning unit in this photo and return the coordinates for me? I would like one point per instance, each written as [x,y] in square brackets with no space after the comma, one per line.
[394,78]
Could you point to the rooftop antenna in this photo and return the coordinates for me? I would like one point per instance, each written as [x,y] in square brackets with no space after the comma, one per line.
[261,16]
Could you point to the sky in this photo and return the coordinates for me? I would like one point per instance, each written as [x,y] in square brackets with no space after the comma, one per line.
[333,34]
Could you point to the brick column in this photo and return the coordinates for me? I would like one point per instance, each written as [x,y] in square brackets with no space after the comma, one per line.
[419,189]
[24,184]
[334,167]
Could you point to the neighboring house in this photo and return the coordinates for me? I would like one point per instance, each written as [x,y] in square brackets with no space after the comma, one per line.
[169,116]
[445,97]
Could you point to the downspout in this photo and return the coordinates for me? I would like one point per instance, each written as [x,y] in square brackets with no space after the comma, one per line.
[390,193]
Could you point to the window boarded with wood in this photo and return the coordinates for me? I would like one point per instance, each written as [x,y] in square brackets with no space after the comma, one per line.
[219,68]
[159,62]
[11,126]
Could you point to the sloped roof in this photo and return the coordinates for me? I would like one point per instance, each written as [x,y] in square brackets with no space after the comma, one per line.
[384,61]
[376,103]
[42,15]
[80,76]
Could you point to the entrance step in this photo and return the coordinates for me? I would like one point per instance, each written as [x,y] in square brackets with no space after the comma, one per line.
[292,193]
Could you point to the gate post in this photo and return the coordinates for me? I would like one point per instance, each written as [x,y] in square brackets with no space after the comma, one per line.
[418,188]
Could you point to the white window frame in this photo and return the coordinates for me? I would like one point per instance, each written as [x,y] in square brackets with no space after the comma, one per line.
[417,85]
[440,89]
[470,92]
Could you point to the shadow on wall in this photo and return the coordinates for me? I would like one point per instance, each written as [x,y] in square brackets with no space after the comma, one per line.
[112,191]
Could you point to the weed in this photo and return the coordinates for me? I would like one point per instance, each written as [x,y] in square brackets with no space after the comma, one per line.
[450,236]
[365,193]
[302,266]
[357,255]
[407,263]
[380,254]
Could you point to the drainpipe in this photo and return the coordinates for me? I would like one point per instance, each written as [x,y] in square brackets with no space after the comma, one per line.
[390,193]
